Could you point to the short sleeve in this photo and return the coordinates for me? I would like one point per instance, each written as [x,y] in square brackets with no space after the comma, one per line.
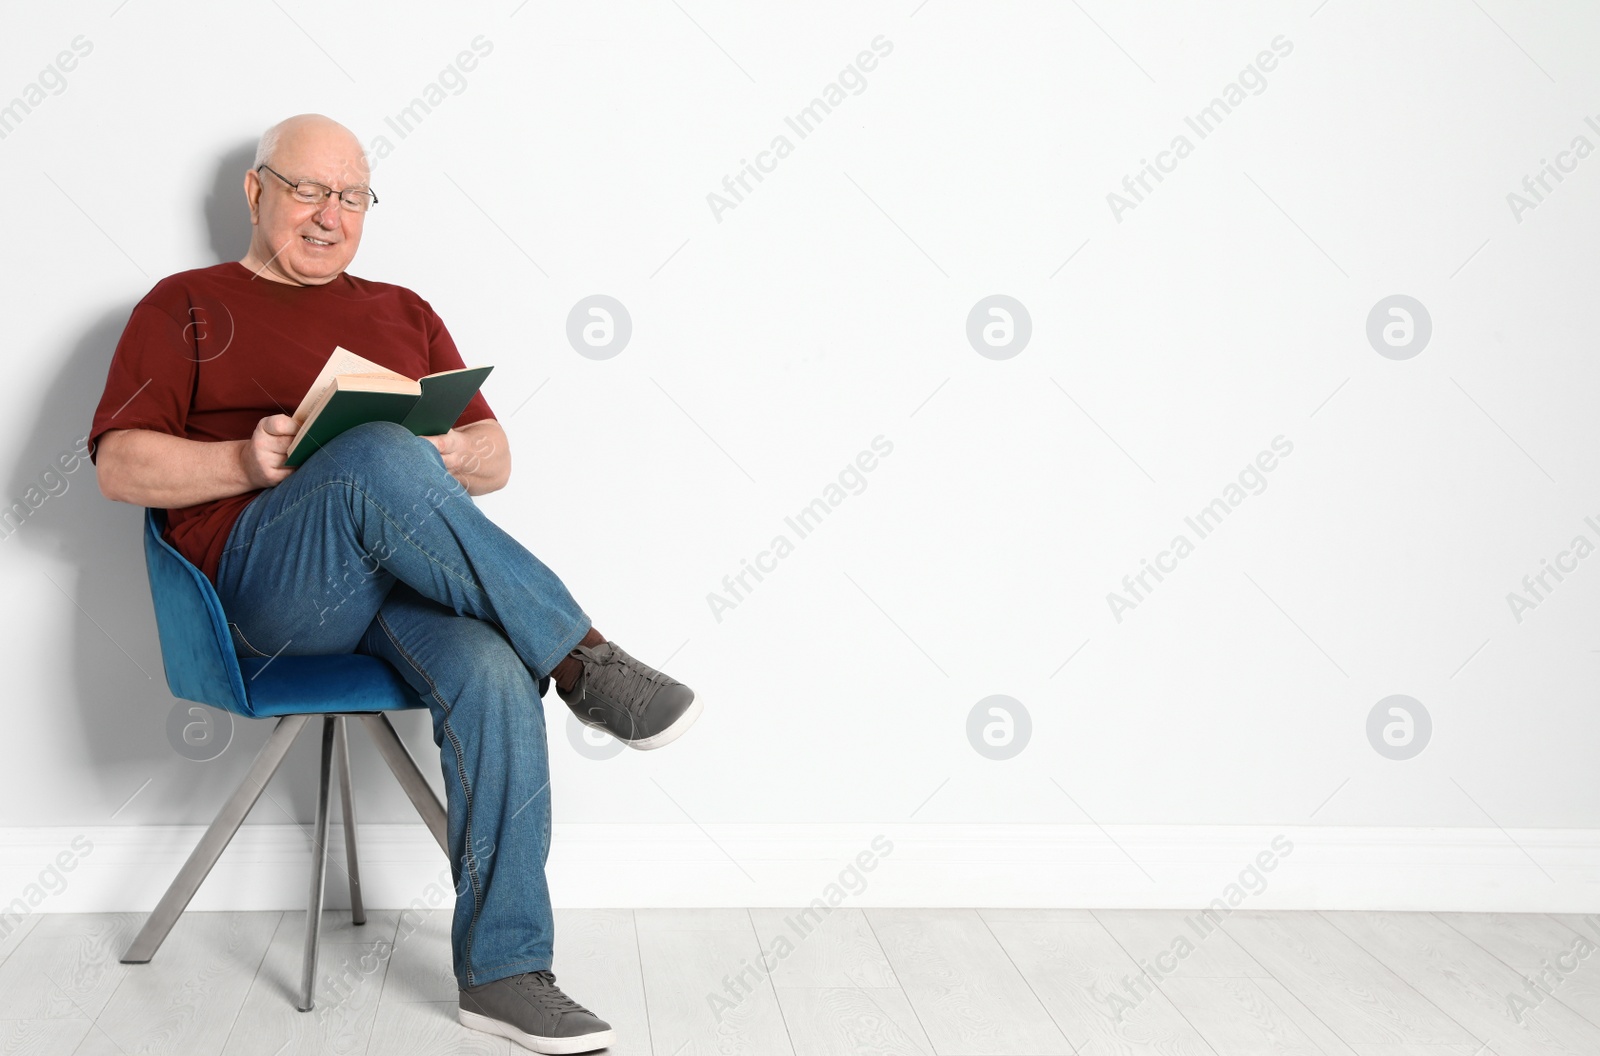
[443,355]
[150,383]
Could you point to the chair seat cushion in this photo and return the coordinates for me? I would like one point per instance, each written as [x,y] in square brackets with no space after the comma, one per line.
[299,685]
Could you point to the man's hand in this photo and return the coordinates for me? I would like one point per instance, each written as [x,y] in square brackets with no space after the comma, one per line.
[477,455]
[262,455]
[460,452]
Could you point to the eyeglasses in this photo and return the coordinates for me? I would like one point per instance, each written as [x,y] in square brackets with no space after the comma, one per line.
[312,193]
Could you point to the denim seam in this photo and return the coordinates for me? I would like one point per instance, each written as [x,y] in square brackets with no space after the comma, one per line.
[466,785]
[510,964]
[433,688]
[551,660]
[471,864]
[247,643]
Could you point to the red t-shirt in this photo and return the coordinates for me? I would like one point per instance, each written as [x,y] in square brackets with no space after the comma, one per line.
[208,353]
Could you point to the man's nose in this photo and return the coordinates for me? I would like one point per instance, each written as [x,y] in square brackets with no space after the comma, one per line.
[327,215]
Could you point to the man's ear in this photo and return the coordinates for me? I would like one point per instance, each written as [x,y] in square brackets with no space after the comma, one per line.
[252,195]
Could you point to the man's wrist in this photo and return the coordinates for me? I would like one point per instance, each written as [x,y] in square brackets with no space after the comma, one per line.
[241,464]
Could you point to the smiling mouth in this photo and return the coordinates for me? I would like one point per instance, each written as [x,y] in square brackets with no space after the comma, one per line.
[315,241]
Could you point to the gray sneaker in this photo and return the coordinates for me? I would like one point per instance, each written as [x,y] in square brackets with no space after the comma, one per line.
[533,1012]
[636,704]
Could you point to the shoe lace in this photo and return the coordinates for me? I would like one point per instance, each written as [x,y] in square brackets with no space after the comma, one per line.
[540,988]
[627,681]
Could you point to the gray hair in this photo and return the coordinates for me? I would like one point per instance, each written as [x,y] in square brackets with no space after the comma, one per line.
[268,145]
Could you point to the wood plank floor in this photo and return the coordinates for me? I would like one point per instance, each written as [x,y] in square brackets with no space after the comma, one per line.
[782,982]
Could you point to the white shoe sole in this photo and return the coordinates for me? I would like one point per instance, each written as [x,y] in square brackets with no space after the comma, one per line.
[671,733]
[666,736]
[554,1046]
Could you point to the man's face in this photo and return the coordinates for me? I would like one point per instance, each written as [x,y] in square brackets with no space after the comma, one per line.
[297,242]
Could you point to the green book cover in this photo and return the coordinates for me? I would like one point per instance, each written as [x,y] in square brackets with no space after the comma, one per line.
[444,396]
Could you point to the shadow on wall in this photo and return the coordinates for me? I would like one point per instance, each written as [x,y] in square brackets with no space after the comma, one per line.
[90,546]
[227,215]
[116,679]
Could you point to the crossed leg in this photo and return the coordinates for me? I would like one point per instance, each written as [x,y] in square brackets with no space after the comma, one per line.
[371,546]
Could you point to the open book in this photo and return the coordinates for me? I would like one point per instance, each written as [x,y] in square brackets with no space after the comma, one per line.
[351,390]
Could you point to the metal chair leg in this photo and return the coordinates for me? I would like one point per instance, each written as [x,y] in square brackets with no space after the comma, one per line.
[394,753]
[319,866]
[215,841]
[341,758]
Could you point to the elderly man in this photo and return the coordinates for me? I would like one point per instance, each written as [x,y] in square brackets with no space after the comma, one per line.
[374,545]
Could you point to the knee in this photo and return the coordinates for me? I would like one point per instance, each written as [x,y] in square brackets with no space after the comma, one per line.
[386,455]
[377,443]
[496,683]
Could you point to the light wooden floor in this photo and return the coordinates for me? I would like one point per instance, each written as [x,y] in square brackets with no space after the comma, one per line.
[876,981]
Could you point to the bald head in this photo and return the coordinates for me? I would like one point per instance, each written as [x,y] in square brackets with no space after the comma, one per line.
[302,126]
[304,244]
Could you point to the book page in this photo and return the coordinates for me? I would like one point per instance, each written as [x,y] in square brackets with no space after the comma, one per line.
[341,361]
[311,413]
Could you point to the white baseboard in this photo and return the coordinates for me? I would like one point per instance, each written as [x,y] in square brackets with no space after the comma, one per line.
[127,868]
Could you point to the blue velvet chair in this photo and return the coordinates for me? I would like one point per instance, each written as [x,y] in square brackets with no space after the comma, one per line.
[201,665]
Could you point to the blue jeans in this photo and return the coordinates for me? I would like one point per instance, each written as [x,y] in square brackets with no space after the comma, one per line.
[371,546]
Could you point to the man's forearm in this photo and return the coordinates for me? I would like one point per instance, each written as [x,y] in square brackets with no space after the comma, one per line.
[148,468]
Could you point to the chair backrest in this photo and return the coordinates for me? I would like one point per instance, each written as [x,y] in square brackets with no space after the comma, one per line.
[196,645]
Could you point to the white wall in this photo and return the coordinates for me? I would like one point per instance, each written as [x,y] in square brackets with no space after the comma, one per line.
[1171,343]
